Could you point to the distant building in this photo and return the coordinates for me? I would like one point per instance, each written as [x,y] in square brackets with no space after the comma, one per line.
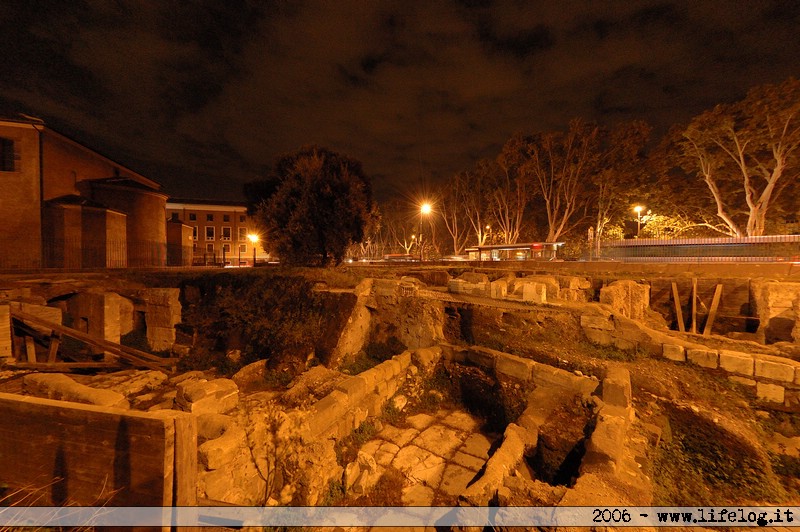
[221,231]
[66,206]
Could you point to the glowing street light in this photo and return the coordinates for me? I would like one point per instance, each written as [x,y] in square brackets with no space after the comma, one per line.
[424,210]
[254,239]
[638,210]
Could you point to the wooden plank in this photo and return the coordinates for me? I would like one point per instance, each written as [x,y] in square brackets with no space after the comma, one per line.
[712,314]
[30,349]
[104,456]
[55,340]
[694,305]
[63,366]
[678,310]
[133,356]
[185,472]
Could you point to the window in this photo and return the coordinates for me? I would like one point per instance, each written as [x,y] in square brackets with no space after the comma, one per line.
[226,233]
[174,217]
[226,248]
[242,234]
[8,157]
[242,248]
[209,248]
[241,218]
[194,233]
[209,217]
[226,217]
[209,232]
[194,247]
[192,217]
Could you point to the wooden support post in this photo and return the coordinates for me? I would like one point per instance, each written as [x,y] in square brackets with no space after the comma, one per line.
[678,310]
[694,305]
[30,349]
[712,314]
[55,341]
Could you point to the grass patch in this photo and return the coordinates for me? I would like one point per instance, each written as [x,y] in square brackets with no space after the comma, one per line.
[706,465]
[387,492]
[392,415]
[347,448]
[610,352]
[362,362]
[334,495]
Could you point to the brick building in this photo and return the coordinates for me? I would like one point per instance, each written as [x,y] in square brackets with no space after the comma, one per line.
[66,206]
[221,231]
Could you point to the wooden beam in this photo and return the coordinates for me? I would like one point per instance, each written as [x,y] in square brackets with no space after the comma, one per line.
[694,305]
[132,356]
[62,366]
[678,310]
[55,340]
[712,314]
[30,349]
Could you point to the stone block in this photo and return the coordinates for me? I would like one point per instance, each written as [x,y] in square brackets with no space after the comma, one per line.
[772,393]
[396,367]
[534,292]
[599,337]
[160,338]
[456,286]
[404,358]
[703,358]
[51,314]
[498,289]
[220,452]
[742,380]
[514,366]
[617,387]
[199,396]
[629,298]
[674,352]
[62,387]
[603,323]
[607,442]
[482,357]
[474,278]
[426,358]
[733,362]
[551,284]
[775,370]
[354,387]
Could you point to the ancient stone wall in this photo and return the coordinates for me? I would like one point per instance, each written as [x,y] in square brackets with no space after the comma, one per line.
[337,414]
[775,380]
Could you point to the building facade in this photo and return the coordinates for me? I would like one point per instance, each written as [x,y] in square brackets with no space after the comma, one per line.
[222,232]
[66,206]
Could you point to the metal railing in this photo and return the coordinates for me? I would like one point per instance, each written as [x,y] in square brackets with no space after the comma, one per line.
[84,254]
[771,248]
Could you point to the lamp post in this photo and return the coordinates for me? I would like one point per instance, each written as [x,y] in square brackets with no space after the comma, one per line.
[638,209]
[424,210]
[254,240]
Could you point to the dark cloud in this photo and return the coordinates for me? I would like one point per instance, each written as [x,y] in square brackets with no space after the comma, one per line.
[203,95]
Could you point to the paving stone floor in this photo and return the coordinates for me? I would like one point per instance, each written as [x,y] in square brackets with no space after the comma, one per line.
[439,454]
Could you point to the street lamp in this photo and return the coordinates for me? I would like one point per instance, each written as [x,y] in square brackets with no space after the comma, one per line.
[254,239]
[638,209]
[424,210]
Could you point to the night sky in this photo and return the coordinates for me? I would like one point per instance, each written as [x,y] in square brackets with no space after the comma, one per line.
[202,96]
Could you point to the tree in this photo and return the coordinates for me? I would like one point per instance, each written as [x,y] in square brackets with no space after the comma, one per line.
[451,208]
[321,202]
[619,174]
[558,165]
[474,191]
[746,153]
[509,196]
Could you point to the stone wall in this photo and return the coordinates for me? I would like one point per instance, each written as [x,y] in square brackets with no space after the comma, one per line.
[355,399]
[774,306]
[162,313]
[775,380]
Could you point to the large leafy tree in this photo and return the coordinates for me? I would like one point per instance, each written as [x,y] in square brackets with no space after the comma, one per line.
[746,154]
[319,203]
[618,179]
